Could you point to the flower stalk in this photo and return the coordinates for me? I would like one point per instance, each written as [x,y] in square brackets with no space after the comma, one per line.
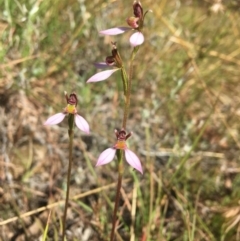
[129,85]
[117,197]
[71,111]
[114,61]
[70,134]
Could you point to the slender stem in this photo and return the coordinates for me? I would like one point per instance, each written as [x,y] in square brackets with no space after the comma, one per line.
[129,87]
[127,101]
[117,197]
[70,133]
[125,82]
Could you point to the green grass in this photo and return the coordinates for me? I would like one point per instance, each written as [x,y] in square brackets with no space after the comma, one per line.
[184,116]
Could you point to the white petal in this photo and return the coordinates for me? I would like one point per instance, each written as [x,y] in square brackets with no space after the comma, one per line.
[115,31]
[106,156]
[55,119]
[133,160]
[101,65]
[136,39]
[101,75]
[81,123]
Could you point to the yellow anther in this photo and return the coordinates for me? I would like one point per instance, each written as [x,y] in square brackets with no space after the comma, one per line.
[71,109]
[121,145]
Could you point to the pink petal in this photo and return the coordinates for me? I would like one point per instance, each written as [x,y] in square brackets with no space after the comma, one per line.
[115,31]
[106,156]
[81,123]
[136,39]
[133,160]
[55,119]
[101,75]
[101,65]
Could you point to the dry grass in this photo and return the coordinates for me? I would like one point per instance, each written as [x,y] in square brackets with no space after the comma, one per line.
[184,114]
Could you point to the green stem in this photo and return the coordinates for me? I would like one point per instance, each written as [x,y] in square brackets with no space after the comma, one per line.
[124,79]
[70,133]
[125,90]
[129,87]
[119,185]
[127,84]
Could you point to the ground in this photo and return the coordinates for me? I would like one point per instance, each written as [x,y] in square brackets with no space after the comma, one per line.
[184,115]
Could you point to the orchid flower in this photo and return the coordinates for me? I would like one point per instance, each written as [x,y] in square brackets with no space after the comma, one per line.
[135,23]
[131,158]
[113,61]
[80,122]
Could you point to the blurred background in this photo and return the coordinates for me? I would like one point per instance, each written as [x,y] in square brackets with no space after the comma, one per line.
[185,116]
